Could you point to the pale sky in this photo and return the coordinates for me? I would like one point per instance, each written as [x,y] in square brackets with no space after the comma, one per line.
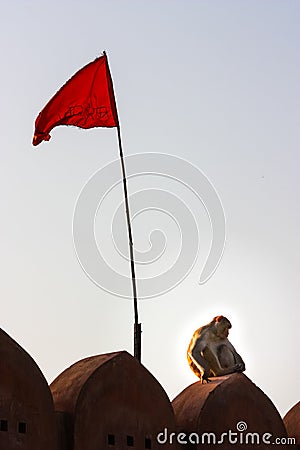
[215,83]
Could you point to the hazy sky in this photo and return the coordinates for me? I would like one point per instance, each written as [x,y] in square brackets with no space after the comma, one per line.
[213,82]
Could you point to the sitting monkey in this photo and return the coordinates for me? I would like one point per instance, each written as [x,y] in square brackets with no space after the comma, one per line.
[210,354]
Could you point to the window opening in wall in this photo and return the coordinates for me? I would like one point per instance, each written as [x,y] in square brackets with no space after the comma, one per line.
[148,443]
[22,427]
[130,441]
[3,425]
[111,439]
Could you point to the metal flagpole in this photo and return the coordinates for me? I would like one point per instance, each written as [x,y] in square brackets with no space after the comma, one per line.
[63,104]
[137,325]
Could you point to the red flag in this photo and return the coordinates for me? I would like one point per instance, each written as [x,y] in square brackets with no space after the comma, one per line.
[86,101]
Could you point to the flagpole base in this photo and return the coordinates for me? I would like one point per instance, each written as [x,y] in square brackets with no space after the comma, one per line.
[137,341]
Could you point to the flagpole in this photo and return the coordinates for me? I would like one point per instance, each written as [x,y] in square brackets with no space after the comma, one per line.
[90,89]
[137,325]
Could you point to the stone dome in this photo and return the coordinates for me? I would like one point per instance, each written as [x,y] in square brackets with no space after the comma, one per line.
[230,402]
[111,401]
[27,419]
[292,422]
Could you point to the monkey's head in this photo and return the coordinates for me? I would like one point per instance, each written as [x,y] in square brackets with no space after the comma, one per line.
[222,326]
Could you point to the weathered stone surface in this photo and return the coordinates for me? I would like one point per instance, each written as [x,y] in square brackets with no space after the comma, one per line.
[292,422]
[27,419]
[112,401]
[220,406]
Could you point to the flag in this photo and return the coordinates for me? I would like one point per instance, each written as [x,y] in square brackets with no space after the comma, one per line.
[85,101]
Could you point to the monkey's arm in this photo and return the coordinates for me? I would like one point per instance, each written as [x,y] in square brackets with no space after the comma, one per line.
[195,353]
[221,358]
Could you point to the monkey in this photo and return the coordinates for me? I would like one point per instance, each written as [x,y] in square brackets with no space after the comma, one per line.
[210,354]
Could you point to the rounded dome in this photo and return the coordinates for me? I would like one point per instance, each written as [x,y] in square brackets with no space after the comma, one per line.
[292,422]
[229,404]
[113,400]
[27,418]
